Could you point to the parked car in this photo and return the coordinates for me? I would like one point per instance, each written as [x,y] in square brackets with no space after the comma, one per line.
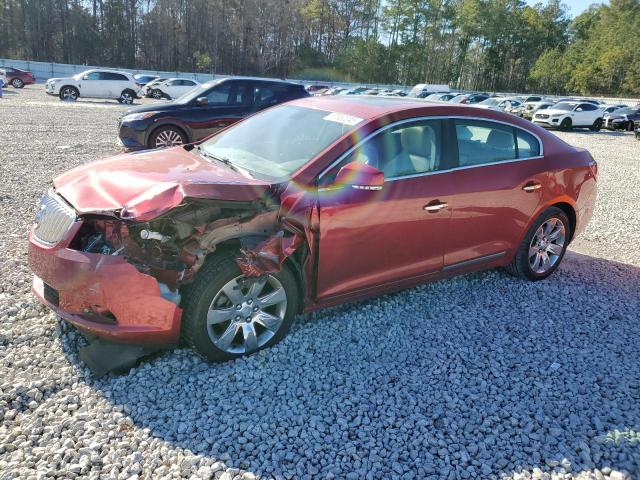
[530,108]
[468,98]
[422,90]
[637,129]
[440,97]
[173,88]
[317,88]
[612,108]
[142,79]
[204,110]
[568,115]
[400,92]
[147,90]
[313,203]
[354,91]
[95,84]
[371,91]
[622,119]
[498,103]
[18,78]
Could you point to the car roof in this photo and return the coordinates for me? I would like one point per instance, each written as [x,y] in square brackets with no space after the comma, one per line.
[254,79]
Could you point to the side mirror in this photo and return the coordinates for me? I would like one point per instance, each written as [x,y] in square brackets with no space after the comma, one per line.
[360,176]
[202,101]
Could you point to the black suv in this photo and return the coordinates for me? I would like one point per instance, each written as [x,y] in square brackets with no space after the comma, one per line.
[622,118]
[202,111]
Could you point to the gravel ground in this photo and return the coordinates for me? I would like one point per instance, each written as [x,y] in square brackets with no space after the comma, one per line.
[483,376]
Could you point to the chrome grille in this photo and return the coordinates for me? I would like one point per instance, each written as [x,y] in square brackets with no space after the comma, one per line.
[53,220]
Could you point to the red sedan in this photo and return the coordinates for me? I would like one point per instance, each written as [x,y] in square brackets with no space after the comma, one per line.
[19,78]
[313,203]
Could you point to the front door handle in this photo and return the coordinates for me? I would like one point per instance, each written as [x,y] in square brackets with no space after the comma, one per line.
[435,206]
[532,187]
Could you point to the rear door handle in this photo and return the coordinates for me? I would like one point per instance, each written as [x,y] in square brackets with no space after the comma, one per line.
[435,206]
[532,187]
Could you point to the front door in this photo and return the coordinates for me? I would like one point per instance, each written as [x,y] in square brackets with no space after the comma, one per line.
[94,85]
[227,103]
[369,239]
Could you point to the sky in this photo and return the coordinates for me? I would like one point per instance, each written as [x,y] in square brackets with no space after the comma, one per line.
[576,7]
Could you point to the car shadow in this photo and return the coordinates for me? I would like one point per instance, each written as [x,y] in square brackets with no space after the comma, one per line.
[484,374]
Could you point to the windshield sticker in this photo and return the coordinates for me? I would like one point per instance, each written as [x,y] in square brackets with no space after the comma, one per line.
[343,118]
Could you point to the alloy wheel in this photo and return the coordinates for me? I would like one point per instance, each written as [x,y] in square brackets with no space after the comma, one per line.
[246,313]
[126,98]
[69,94]
[547,245]
[17,83]
[168,138]
[157,94]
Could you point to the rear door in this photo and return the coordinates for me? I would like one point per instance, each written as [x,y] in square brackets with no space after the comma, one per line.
[115,83]
[228,102]
[499,181]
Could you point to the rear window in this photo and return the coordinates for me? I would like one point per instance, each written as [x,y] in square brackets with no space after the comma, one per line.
[528,145]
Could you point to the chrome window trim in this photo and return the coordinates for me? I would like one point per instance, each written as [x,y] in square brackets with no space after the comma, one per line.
[438,117]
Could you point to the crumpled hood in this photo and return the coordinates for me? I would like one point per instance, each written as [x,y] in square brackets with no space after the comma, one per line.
[144,185]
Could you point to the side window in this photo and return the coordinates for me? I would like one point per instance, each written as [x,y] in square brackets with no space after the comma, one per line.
[588,107]
[406,149]
[219,95]
[188,83]
[481,142]
[94,76]
[113,76]
[528,145]
[174,83]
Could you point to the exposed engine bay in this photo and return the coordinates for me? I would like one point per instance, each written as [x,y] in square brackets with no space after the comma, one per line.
[173,246]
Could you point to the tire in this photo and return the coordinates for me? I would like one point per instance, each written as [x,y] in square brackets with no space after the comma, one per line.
[597,125]
[17,83]
[127,97]
[232,330]
[69,94]
[523,264]
[157,94]
[566,124]
[630,126]
[167,136]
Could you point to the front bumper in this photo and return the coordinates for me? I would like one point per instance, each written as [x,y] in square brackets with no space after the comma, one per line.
[547,122]
[132,136]
[614,124]
[102,295]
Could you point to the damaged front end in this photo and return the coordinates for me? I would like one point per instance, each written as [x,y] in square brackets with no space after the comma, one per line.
[122,280]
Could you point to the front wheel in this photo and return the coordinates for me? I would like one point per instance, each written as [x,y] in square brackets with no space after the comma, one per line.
[157,94]
[69,94]
[566,124]
[17,83]
[227,315]
[543,247]
[167,136]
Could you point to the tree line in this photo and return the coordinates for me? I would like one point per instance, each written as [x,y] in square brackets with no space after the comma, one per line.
[494,45]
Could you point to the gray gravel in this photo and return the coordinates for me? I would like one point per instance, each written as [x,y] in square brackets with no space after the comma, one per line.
[482,376]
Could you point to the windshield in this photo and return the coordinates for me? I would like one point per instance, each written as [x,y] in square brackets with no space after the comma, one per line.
[564,106]
[627,110]
[277,142]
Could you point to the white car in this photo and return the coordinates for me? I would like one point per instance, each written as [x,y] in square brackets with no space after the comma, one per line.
[499,103]
[95,84]
[568,115]
[173,88]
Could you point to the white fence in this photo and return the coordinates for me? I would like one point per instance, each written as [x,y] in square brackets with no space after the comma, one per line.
[45,70]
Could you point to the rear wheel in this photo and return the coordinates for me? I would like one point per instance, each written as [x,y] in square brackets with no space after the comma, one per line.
[227,315]
[167,137]
[157,94]
[69,94]
[17,83]
[597,125]
[126,97]
[543,247]
[566,124]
